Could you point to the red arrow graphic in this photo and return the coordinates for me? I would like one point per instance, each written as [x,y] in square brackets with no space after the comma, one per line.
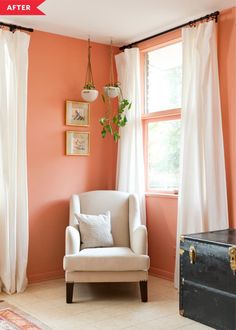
[20,7]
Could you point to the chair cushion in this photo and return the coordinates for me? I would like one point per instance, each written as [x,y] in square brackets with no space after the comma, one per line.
[95,230]
[117,202]
[106,259]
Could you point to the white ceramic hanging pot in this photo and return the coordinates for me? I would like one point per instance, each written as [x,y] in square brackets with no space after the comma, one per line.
[89,95]
[112,91]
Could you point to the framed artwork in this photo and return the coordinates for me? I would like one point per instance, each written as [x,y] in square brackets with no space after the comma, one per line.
[77,113]
[77,143]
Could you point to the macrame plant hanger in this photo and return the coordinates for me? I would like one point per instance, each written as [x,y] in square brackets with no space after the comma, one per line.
[112,89]
[89,93]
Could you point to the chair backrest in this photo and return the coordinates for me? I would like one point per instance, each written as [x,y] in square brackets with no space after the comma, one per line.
[100,201]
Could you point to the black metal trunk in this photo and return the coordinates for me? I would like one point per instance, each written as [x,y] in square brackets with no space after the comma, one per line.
[207,278]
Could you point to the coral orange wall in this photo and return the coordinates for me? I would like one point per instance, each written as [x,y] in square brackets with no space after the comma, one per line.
[162,211]
[161,224]
[227,72]
[57,67]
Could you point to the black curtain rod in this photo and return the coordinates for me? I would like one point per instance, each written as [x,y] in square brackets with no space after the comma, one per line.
[13,27]
[191,23]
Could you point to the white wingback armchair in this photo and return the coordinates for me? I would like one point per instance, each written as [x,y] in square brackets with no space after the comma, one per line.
[126,261]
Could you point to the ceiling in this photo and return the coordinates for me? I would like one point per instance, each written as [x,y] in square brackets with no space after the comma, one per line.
[124,21]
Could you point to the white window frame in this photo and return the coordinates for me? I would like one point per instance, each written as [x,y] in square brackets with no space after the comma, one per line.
[170,114]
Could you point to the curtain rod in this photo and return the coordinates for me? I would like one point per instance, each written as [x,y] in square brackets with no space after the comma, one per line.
[206,17]
[13,27]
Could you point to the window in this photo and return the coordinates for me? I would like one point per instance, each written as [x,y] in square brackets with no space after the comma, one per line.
[163,154]
[163,78]
[162,123]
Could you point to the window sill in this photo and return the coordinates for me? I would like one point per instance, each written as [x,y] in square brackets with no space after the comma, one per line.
[161,195]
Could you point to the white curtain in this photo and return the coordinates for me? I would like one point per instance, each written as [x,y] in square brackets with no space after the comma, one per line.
[13,171]
[202,197]
[130,163]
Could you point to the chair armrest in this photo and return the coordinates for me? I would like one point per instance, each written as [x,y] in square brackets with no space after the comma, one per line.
[72,240]
[138,232]
[139,241]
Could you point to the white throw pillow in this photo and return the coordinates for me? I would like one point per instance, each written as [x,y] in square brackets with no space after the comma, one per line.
[95,230]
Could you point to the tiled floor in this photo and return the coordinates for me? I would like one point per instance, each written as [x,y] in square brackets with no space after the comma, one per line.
[104,306]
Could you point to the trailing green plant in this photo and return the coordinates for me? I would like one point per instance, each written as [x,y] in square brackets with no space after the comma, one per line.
[114,118]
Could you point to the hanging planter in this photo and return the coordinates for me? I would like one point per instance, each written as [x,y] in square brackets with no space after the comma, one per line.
[115,115]
[89,95]
[112,89]
[89,92]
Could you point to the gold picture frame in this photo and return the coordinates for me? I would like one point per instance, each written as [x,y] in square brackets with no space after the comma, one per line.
[77,143]
[77,113]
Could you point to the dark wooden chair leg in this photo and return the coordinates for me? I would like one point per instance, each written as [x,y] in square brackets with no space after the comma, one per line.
[143,291]
[69,292]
